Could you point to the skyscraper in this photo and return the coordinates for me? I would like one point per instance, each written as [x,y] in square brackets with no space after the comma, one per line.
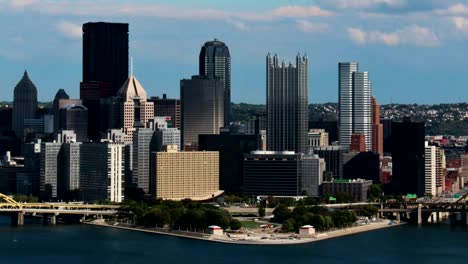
[215,62]
[287,104]
[408,157]
[377,129]
[105,53]
[167,107]
[430,172]
[202,105]
[136,111]
[24,104]
[354,100]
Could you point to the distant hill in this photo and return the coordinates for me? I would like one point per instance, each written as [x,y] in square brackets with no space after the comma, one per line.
[440,118]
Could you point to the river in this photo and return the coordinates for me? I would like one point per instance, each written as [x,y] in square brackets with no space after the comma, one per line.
[69,244]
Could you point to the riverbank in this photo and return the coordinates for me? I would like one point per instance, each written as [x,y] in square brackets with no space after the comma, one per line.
[253,238]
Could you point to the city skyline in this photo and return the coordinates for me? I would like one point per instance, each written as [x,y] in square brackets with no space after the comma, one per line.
[396,53]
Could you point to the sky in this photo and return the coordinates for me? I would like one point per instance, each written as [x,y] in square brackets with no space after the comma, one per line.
[416,51]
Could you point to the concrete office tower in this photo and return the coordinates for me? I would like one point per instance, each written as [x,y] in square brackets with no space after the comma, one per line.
[215,62]
[142,148]
[333,156]
[281,173]
[167,107]
[354,98]
[105,53]
[430,170]
[136,111]
[464,168]
[408,157]
[170,136]
[202,104]
[75,117]
[377,129]
[179,175]
[69,179]
[317,138]
[256,124]
[24,104]
[50,170]
[287,104]
[102,172]
[231,149]
[313,168]
[441,170]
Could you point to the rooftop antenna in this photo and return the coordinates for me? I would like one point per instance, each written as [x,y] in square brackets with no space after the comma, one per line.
[131,66]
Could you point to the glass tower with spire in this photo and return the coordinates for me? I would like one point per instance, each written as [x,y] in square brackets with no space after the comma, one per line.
[24,104]
[215,62]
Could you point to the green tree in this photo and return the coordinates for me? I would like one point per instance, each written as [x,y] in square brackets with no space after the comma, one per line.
[271,201]
[290,225]
[375,192]
[157,216]
[217,217]
[235,224]
[261,211]
[368,210]
[281,213]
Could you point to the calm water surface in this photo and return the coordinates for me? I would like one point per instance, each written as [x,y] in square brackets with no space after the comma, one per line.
[70,244]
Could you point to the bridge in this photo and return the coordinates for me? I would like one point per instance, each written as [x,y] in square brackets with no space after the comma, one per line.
[432,212]
[50,211]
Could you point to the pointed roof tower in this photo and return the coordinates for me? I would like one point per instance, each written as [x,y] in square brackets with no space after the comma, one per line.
[61,94]
[25,84]
[132,88]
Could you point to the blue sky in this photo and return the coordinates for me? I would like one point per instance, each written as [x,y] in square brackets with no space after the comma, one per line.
[415,50]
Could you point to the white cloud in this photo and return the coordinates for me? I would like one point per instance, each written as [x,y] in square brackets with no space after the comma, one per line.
[104,8]
[414,35]
[20,4]
[308,26]
[69,30]
[457,9]
[356,4]
[461,23]
[239,24]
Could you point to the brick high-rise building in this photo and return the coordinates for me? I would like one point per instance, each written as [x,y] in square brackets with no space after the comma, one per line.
[377,129]
[167,107]
[358,142]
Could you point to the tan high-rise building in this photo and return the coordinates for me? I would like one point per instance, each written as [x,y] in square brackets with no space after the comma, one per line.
[179,175]
[377,129]
[135,110]
[317,138]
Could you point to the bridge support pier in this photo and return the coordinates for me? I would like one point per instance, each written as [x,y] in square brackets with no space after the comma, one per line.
[49,219]
[419,215]
[398,217]
[17,219]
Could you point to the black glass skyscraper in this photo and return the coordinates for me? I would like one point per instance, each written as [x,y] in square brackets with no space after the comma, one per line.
[215,62]
[287,104]
[105,53]
[408,157]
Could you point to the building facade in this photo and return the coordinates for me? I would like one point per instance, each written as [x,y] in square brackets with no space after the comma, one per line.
[354,99]
[180,175]
[24,105]
[333,156]
[430,170]
[102,171]
[105,53]
[135,110]
[317,138]
[215,62]
[377,129]
[357,188]
[167,107]
[287,104]
[282,173]
[231,150]
[202,102]
[408,157]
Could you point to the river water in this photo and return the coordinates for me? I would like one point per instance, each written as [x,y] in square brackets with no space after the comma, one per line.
[69,244]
